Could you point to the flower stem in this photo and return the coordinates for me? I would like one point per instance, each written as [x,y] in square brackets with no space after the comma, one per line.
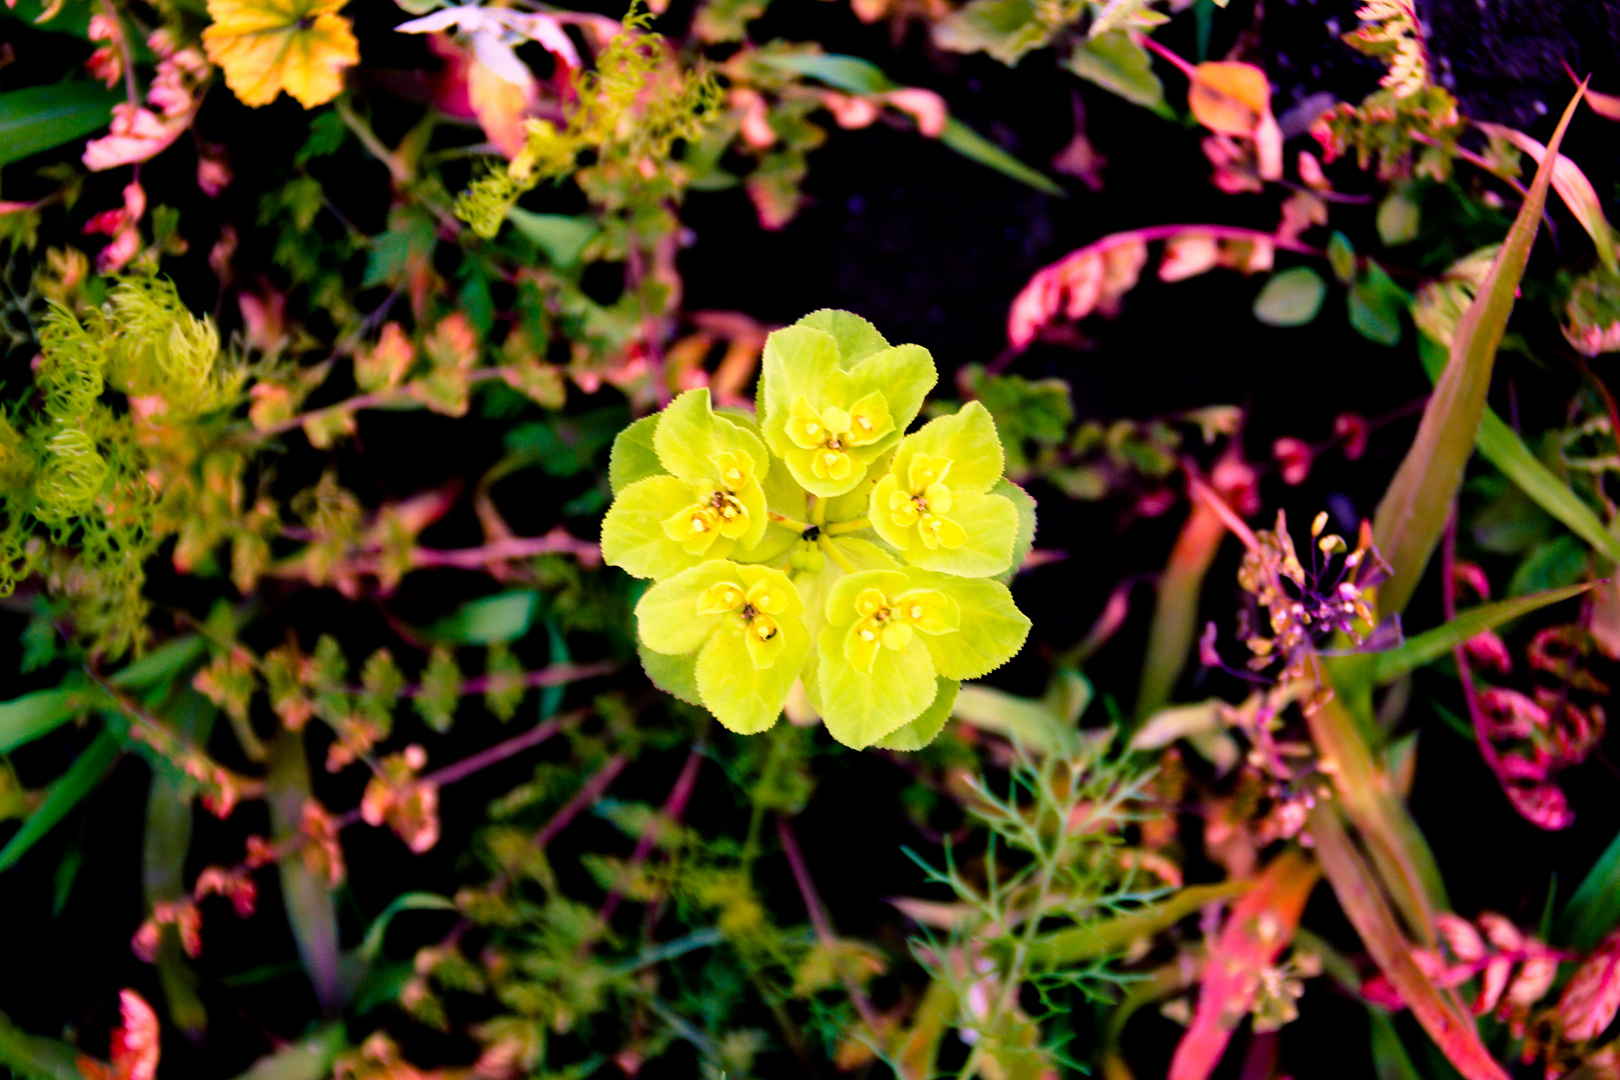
[839,528]
[818,512]
[836,555]
[793,523]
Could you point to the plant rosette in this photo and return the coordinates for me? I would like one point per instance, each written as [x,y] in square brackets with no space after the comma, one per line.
[818,543]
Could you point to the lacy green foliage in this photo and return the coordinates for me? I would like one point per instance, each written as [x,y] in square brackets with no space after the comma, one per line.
[102,471]
[829,548]
[631,109]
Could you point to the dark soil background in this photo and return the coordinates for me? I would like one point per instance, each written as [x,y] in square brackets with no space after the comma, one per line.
[931,248]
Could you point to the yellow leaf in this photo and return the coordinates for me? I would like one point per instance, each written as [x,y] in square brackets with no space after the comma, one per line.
[1229,97]
[267,46]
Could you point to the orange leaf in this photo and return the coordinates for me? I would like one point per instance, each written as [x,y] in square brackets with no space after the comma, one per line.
[1229,97]
[1261,926]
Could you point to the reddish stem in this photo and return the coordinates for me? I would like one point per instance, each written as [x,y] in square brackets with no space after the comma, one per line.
[674,808]
[1465,671]
[503,750]
[819,918]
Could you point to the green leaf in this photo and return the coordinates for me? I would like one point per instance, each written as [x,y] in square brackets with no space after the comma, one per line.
[1552,564]
[1291,298]
[561,237]
[1035,725]
[992,628]
[967,438]
[633,536]
[926,728]
[975,147]
[1398,219]
[1115,62]
[1024,542]
[674,675]
[1006,29]
[307,897]
[62,796]
[860,708]
[490,620]
[371,946]
[161,664]
[1594,910]
[1390,1059]
[850,74]
[689,440]
[36,1058]
[1431,645]
[856,338]
[309,1058]
[41,117]
[1414,509]
[1376,304]
[32,716]
[1109,937]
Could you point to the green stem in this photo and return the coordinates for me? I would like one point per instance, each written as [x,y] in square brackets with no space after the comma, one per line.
[792,523]
[839,528]
[836,555]
[818,512]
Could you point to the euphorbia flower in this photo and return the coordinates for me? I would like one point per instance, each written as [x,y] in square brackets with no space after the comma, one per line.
[934,505]
[894,639]
[703,502]
[836,397]
[739,630]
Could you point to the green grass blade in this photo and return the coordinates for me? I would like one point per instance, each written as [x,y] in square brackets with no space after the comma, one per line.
[40,118]
[34,1057]
[32,716]
[1500,445]
[1431,645]
[68,791]
[161,664]
[311,912]
[1414,510]
[1594,910]
[1109,936]
[975,147]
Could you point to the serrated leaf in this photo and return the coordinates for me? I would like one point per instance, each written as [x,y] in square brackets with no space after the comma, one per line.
[992,628]
[1431,645]
[62,796]
[1414,509]
[1006,29]
[563,238]
[926,728]
[858,707]
[38,118]
[1115,62]
[1024,542]
[674,675]
[633,536]
[856,338]
[746,698]
[1291,298]
[490,620]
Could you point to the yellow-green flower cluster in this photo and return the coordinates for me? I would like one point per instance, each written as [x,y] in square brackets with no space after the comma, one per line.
[815,542]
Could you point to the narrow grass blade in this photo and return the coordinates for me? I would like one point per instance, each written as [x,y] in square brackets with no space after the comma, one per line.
[38,118]
[1175,607]
[66,793]
[1594,910]
[33,716]
[310,910]
[36,1058]
[1363,903]
[1431,645]
[1500,445]
[1415,508]
[975,147]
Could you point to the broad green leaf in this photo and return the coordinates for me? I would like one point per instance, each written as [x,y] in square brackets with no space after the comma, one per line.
[674,675]
[689,435]
[62,796]
[1414,509]
[307,896]
[309,1058]
[1594,910]
[24,719]
[992,628]
[561,237]
[1006,29]
[633,536]
[798,362]
[490,620]
[746,698]
[41,117]
[903,374]
[1291,298]
[1431,645]
[1109,937]
[926,728]
[975,147]
[633,457]
[1115,62]
[1502,447]
[667,615]
[860,708]
[1029,723]
[857,339]
[1376,304]
[850,74]
[1552,564]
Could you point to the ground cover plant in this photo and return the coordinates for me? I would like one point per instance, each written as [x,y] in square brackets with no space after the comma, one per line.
[736,538]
